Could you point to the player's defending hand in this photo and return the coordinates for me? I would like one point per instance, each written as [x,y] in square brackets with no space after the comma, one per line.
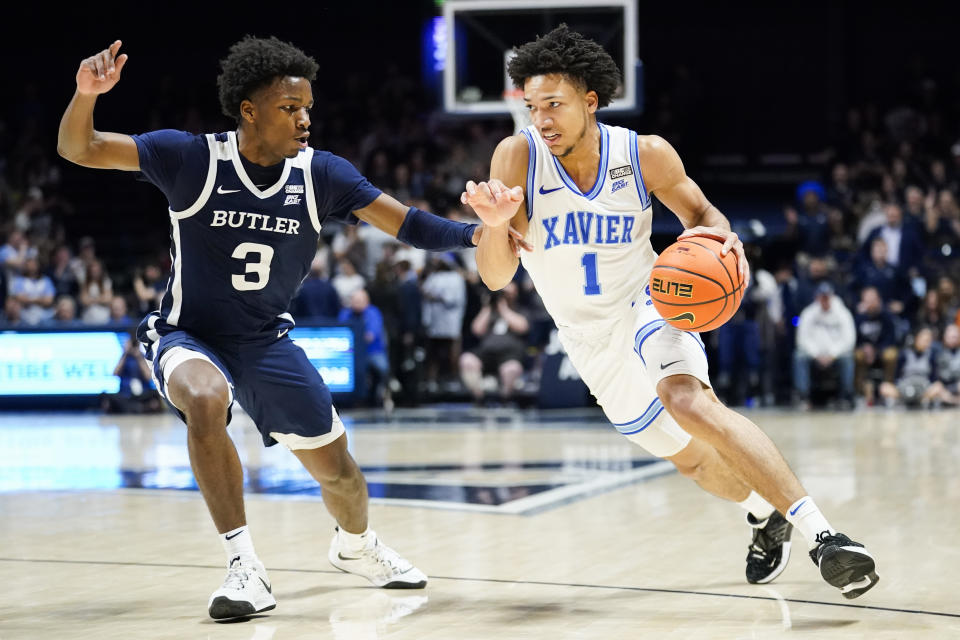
[493,202]
[730,241]
[515,237]
[100,72]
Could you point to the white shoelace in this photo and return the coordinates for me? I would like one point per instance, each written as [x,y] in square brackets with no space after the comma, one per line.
[237,576]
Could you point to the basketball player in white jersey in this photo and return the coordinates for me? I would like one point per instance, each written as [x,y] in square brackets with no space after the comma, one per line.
[581,191]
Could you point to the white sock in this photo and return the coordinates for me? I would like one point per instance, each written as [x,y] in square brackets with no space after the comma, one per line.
[353,542]
[805,515]
[238,542]
[756,505]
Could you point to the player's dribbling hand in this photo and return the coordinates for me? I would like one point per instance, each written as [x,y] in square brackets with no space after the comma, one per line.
[730,241]
[493,202]
[100,72]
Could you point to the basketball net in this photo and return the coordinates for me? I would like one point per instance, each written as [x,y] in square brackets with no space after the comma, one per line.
[518,109]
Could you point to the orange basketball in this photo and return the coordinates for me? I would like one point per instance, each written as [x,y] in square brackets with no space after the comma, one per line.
[693,287]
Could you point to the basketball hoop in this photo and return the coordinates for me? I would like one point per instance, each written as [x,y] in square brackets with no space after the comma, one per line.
[518,109]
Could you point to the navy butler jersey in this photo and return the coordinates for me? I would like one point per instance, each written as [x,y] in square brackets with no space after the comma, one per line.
[240,251]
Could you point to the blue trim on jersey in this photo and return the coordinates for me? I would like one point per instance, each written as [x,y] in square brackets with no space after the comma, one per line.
[645,332]
[601,169]
[649,415]
[531,170]
[638,183]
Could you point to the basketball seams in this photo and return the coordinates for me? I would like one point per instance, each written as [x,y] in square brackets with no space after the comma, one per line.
[733,285]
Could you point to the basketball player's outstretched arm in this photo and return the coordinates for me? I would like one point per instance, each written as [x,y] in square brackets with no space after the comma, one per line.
[500,207]
[666,178]
[77,140]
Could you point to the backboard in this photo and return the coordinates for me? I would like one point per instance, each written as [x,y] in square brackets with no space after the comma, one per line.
[480,36]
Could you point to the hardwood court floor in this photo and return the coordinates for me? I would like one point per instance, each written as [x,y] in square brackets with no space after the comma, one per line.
[530,526]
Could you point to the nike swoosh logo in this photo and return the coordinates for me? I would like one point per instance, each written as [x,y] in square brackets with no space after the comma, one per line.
[265,585]
[544,192]
[341,556]
[234,535]
[281,333]
[223,191]
[683,316]
[664,366]
[793,512]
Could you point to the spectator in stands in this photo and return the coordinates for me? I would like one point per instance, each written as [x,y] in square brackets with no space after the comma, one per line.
[12,312]
[876,352]
[501,328]
[939,179]
[86,254]
[840,193]
[817,272]
[444,301]
[739,340]
[137,393]
[15,253]
[814,225]
[932,314]
[941,233]
[35,292]
[914,208]
[347,244]
[946,388]
[347,279]
[948,297]
[904,244]
[890,281]
[64,280]
[65,312]
[826,336]
[149,286]
[119,314]
[407,351]
[378,365]
[96,292]
[915,373]
[317,298]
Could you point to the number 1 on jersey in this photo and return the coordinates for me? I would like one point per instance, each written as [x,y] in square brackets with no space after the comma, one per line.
[589,262]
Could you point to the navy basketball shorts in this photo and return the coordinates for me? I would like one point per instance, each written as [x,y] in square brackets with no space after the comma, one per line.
[274,383]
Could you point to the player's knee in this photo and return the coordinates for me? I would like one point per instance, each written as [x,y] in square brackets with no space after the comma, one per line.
[680,398]
[204,404]
[337,468]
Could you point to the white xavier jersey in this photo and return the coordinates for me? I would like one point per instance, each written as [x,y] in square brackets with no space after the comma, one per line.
[591,251]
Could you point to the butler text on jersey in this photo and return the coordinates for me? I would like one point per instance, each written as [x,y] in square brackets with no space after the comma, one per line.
[236,219]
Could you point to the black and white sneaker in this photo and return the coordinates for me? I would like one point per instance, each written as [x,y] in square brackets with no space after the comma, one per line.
[845,564]
[245,591]
[376,562]
[770,548]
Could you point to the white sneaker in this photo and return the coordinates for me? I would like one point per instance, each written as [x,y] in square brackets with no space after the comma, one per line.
[378,563]
[245,591]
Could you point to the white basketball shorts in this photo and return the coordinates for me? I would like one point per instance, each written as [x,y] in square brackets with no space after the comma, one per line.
[623,364]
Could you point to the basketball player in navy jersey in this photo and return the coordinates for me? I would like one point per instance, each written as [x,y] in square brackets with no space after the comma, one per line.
[245,209]
[580,191]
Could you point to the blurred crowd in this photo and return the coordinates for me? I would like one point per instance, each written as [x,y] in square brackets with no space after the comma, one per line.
[853,301]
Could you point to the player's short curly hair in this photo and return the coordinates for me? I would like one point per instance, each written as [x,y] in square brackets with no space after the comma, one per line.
[254,63]
[567,52]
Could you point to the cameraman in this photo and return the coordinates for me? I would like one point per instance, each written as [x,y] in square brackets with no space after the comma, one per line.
[500,328]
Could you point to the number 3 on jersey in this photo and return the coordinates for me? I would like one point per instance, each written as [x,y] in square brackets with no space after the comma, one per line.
[261,268]
[592,286]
